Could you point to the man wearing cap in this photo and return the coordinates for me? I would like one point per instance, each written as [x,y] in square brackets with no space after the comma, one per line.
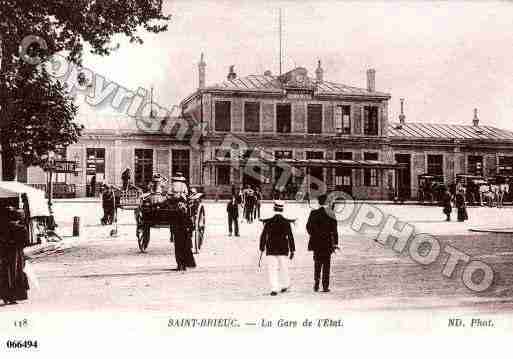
[278,241]
[322,228]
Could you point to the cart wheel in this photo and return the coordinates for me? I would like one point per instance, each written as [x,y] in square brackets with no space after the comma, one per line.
[199,230]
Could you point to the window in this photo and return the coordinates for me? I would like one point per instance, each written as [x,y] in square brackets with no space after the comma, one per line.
[223,116]
[343,155]
[180,162]
[370,120]
[252,117]
[370,175]
[506,165]
[314,114]
[343,119]
[222,153]
[314,155]
[95,169]
[475,165]
[223,175]
[251,153]
[435,165]
[283,155]
[143,167]
[343,174]
[283,118]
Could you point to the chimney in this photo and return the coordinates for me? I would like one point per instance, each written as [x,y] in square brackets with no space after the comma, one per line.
[402,117]
[201,71]
[231,73]
[371,80]
[319,72]
[475,120]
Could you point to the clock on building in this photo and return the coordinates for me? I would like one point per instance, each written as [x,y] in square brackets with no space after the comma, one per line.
[300,79]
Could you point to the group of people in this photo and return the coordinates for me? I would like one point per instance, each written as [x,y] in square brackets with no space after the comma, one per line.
[277,241]
[459,202]
[249,199]
[14,237]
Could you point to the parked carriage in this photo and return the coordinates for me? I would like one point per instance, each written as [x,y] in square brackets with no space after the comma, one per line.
[163,210]
[431,188]
[475,187]
[33,202]
[506,185]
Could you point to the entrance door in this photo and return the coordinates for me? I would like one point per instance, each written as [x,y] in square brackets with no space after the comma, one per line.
[316,172]
[404,180]
[344,175]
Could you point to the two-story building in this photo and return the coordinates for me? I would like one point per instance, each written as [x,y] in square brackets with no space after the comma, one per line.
[327,132]
[290,132]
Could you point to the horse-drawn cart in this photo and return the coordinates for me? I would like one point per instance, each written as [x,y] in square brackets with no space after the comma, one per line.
[165,210]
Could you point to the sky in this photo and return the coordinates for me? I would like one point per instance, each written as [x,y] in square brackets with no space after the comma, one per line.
[443,58]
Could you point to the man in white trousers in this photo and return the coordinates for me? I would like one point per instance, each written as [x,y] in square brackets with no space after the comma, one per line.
[278,242]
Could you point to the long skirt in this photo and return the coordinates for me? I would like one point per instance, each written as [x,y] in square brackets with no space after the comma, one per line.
[462,214]
[183,248]
[13,280]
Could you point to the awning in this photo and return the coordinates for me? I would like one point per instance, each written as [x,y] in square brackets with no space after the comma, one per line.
[307,163]
[36,198]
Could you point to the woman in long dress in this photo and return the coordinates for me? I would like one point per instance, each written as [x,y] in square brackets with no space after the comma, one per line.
[13,238]
[460,205]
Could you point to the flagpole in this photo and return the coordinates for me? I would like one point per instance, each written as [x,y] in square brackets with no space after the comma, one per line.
[280,41]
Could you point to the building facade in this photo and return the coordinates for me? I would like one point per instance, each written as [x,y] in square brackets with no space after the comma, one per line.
[285,133]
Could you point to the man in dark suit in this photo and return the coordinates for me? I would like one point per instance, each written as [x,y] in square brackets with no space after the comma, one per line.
[233,215]
[322,228]
[278,241]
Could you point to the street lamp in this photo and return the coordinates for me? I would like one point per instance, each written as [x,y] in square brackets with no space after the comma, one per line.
[49,164]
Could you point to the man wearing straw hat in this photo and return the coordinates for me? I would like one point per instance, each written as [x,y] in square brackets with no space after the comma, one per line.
[278,241]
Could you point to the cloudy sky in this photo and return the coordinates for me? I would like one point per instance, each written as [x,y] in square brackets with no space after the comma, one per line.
[443,58]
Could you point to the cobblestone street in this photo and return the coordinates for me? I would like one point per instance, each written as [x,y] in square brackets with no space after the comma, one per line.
[98,272]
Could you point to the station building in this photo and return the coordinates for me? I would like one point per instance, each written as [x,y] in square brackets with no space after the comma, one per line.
[325,131]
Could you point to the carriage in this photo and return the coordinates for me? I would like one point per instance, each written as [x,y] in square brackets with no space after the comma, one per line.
[431,188]
[32,201]
[473,187]
[158,209]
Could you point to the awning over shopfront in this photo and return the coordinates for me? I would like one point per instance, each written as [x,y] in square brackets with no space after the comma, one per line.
[307,163]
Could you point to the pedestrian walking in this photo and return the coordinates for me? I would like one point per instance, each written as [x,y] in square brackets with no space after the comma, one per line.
[277,241]
[14,237]
[249,204]
[258,199]
[322,228]
[125,178]
[182,237]
[461,207]
[446,203]
[232,208]
[93,186]
[108,205]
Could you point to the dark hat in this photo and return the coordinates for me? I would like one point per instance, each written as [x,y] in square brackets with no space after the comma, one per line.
[278,206]
[179,177]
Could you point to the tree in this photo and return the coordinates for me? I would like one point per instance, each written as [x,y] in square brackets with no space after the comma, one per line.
[36,114]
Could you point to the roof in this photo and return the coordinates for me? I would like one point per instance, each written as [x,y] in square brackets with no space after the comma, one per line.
[431,130]
[119,124]
[267,83]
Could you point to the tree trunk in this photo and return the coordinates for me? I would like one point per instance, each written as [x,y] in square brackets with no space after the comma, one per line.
[7,154]
[8,162]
